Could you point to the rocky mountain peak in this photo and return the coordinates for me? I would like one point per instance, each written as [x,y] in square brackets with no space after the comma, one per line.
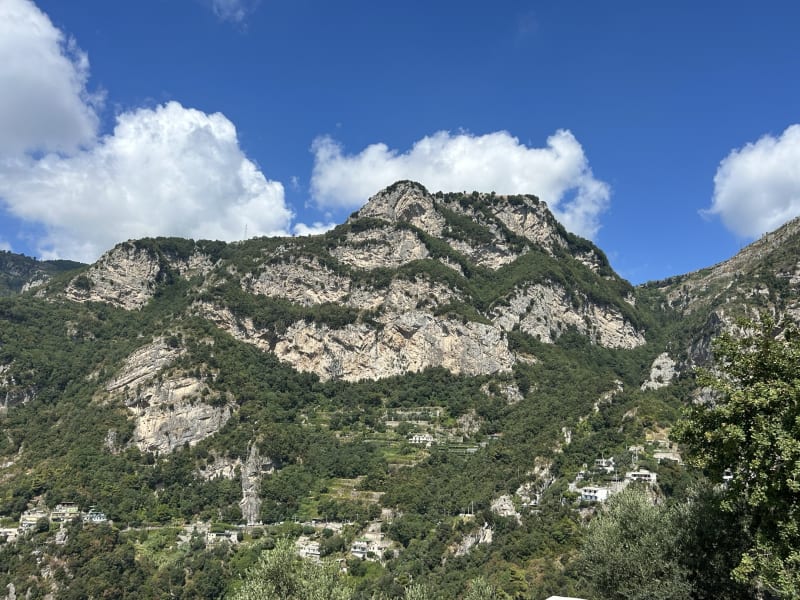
[402,201]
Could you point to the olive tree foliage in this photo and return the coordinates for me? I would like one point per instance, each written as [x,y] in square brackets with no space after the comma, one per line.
[632,551]
[750,430]
[477,589]
[280,574]
[480,589]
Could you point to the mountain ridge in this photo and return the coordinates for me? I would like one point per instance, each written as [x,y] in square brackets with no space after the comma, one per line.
[432,353]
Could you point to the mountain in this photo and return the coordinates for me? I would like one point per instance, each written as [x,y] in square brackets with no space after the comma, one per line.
[19,273]
[440,367]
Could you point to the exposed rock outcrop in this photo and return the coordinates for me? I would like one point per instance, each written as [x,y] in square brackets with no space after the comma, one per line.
[383,247]
[13,393]
[509,391]
[252,470]
[405,201]
[492,256]
[222,467]
[400,343]
[546,311]
[169,414]
[127,276]
[692,291]
[662,372]
[483,535]
[307,282]
[303,281]
[504,506]
[406,342]
[169,410]
[529,218]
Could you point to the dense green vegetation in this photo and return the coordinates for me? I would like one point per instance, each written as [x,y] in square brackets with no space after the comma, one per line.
[751,433]
[16,270]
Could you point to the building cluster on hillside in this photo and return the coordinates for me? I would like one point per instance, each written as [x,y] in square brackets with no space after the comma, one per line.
[605,468]
[371,543]
[62,513]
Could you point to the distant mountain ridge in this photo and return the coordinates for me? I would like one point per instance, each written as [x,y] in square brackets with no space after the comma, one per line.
[19,273]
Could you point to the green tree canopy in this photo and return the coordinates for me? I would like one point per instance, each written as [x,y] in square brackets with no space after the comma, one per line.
[280,574]
[750,430]
[632,551]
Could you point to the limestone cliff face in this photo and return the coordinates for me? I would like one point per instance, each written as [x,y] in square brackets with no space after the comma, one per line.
[402,343]
[222,467]
[662,372]
[504,506]
[492,256]
[127,275]
[545,312]
[405,339]
[253,470]
[306,282]
[482,535]
[531,220]
[241,329]
[403,325]
[385,247]
[169,409]
[303,281]
[169,414]
[405,201]
[407,342]
[411,203]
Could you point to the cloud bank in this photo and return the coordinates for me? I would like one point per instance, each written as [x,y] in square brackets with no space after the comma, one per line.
[167,170]
[558,173]
[44,103]
[163,171]
[757,187]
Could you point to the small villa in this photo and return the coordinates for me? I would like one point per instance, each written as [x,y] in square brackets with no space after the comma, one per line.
[422,439]
[641,475]
[65,511]
[594,494]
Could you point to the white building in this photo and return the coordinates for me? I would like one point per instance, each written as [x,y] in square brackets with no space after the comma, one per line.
[94,516]
[422,439]
[29,519]
[359,549]
[641,475]
[66,511]
[594,494]
[604,464]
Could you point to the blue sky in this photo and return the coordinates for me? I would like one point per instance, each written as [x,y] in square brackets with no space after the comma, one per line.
[212,118]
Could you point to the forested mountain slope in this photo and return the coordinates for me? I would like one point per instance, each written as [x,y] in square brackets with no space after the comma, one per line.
[19,273]
[439,368]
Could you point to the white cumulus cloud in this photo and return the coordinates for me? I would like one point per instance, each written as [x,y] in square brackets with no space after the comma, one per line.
[235,11]
[44,102]
[314,229]
[559,173]
[757,187]
[164,171]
